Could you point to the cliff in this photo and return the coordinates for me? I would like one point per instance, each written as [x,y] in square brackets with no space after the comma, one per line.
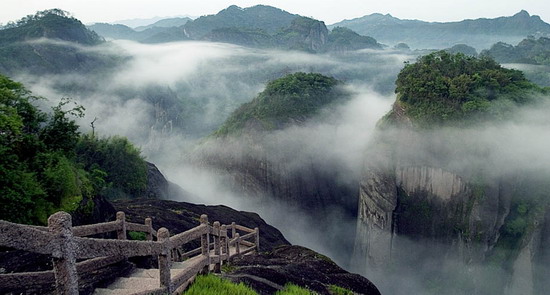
[435,209]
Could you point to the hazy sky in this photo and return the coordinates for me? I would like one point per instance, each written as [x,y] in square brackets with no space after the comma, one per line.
[329,11]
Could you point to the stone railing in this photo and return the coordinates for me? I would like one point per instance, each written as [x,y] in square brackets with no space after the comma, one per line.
[67,244]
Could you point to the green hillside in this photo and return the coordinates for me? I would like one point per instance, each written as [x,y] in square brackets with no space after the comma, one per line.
[293,98]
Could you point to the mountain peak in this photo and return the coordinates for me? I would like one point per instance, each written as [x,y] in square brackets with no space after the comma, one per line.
[51,24]
[522,13]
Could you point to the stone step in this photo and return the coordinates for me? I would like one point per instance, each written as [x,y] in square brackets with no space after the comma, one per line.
[103,291]
[145,273]
[136,284]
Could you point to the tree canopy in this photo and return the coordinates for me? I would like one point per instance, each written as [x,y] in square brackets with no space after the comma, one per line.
[45,161]
[443,87]
[292,98]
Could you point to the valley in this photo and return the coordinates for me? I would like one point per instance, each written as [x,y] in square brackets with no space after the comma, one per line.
[389,145]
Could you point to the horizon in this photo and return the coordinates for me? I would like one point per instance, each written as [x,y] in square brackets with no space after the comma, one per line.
[330,13]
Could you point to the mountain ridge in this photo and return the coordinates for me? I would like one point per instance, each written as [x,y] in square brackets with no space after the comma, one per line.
[421,34]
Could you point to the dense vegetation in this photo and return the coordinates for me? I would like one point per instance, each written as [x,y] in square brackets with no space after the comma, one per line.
[292,98]
[47,165]
[443,87]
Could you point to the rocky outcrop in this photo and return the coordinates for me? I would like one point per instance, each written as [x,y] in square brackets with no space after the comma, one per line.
[180,216]
[157,186]
[269,272]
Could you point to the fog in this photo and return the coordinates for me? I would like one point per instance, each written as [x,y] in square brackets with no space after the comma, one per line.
[167,98]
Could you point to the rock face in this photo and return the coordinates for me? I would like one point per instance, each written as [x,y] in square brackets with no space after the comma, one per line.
[412,216]
[269,272]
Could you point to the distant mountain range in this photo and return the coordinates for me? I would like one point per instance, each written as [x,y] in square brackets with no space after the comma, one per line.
[479,33]
[258,26]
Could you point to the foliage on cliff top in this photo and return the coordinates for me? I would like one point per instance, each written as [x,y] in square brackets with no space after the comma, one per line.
[442,88]
[43,166]
[53,24]
[293,98]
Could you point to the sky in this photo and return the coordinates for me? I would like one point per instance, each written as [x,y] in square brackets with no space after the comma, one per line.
[91,11]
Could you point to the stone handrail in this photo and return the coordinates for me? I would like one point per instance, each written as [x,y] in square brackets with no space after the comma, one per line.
[65,244]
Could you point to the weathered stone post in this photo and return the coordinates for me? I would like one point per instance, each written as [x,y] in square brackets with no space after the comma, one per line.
[149,224]
[205,243]
[121,232]
[217,246]
[63,256]
[257,239]
[163,236]
[238,245]
[224,241]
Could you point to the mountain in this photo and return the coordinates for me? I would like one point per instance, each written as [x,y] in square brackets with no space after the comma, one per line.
[434,193]
[50,42]
[531,55]
[480,33]
[285,101]
[266,18]
[51,24]
[264,160]
[153,34]
[258,26]
[166,23]
[528,51]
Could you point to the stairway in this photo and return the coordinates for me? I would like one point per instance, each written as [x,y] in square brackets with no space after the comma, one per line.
[143,280]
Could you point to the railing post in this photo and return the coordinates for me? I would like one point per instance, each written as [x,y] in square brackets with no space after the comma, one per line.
[205,243]
[149,224]
[163,236]
[257,238]
[224,241]
[121,232]
[64,261]
[233,230]
[216,233]
[238,245]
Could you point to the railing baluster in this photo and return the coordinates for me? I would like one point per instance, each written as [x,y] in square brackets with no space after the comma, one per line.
[224,242]
[257,239]
[163,236]
[64,262]
[216,234]
[149,224]
[205,243]
[238,245]
[121,233]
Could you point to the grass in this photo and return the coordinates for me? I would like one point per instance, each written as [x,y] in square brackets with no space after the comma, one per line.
[137,235]
[291,289]
[213,285]
[339,290]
